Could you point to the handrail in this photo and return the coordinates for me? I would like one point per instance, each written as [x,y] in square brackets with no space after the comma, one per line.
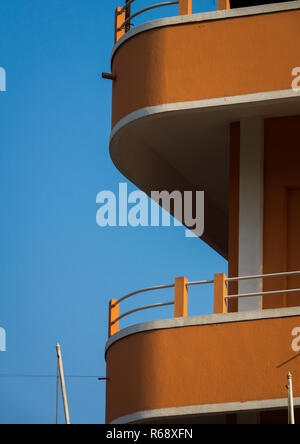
[180,301]
[114,304]
[199,283]
[146,307]
[157,287]
[262,293]
[148,8]
[263,276]
[143,290]
[123,14]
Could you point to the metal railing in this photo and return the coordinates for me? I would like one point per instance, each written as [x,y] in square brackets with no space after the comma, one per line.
[180,301]
[263,276]
[141,11]
[123,15]
[143,290]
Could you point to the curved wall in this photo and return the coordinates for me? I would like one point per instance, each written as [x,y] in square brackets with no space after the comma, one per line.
[205,59]
[217,362]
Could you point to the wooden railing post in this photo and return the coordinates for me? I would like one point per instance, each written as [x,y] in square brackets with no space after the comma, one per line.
[180,297]
[127,15]
[119,20]
[185,7]
[113,313]
[220,293]
[223,4]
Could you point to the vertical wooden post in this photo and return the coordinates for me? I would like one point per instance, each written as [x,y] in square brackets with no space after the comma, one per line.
[127,15]
[185,7]
[113,313]
[223,4]
[220,293]
[119,20]
[180,297]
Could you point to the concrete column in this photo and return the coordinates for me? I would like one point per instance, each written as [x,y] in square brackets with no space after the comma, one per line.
[251,209]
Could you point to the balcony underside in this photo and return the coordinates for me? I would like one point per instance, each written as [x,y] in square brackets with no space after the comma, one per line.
[185,146]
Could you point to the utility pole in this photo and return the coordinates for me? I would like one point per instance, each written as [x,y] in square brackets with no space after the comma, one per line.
[290,398]
[63,384]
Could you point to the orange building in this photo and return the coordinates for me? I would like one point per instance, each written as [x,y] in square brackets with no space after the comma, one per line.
[206,102]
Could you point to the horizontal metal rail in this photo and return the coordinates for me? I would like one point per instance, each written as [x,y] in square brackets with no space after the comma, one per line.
[141,11]
[263,276]
[262,293]
[162,304]
[200,283]
[143,290]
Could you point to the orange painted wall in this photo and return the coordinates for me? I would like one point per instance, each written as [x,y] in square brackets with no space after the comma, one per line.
[282,207]
[177,367]
[205,60]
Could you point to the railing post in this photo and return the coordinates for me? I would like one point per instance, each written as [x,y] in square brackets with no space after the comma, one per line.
[127,15]
[220,293]
[113,313]
[223,4]
[180,297]
[119,20]
[185,7]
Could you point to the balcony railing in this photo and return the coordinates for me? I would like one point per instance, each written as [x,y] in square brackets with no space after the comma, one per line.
[124,15]
[180,301]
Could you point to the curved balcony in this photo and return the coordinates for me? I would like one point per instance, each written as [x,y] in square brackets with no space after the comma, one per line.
[178,84]
[182,370]
[177,370]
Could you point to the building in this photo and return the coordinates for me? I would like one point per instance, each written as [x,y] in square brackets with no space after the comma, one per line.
[206,102]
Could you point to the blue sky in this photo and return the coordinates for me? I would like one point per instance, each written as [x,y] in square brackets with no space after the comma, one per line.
[58,268]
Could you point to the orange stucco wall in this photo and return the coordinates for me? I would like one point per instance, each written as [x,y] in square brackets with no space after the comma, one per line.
[205,60]
[207,364]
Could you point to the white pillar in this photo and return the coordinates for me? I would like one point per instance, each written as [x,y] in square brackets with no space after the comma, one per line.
[251,209]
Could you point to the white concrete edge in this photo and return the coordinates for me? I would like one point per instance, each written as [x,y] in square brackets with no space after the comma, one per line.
[192,321]
[206,104]
[206,16]
[268,404]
